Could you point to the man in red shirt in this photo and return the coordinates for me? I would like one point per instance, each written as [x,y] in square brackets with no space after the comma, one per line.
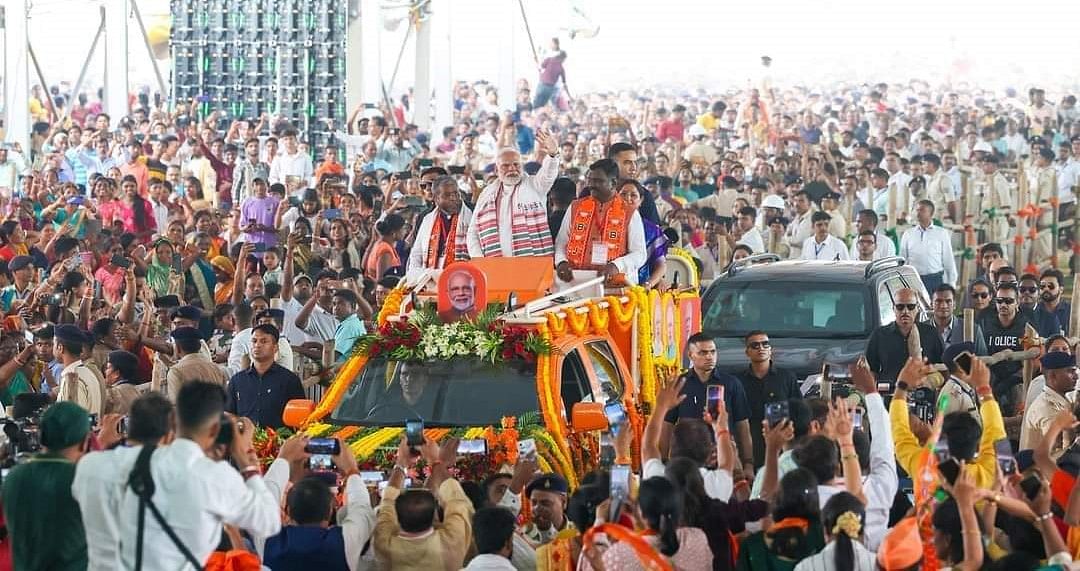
[136,167]
[672,129]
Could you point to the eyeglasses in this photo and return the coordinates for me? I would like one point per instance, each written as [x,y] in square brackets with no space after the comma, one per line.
[1011,284]
[1004,300]
[906,306]
[1048,286]
[980,294]
[759,344]
[1029,289]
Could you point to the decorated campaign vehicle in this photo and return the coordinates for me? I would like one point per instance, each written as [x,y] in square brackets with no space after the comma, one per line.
[528,372]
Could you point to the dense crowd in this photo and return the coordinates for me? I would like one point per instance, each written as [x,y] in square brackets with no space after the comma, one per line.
[172,278]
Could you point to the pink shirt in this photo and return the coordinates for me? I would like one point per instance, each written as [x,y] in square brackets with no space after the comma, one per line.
[693,554]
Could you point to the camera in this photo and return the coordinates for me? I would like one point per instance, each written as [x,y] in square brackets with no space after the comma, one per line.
[922,403]
[23,430]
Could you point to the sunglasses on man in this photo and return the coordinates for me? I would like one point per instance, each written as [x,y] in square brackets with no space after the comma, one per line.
[1004,300]
[980,294]
[906,306]
[1028,289]
[759,345]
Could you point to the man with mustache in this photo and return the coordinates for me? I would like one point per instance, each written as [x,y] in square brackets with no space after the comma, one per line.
[887,348]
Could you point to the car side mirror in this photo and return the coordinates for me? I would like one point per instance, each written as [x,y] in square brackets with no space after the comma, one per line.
[297,412]
[588,416]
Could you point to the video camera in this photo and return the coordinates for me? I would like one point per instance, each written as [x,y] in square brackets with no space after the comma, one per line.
[23,429]
[922,402]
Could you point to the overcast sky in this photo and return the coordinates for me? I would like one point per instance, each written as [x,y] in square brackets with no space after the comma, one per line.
[691,43]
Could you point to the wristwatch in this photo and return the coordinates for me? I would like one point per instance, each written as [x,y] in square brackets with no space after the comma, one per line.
[901,385]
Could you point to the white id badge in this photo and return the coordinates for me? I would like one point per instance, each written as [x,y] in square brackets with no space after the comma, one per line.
[599,254]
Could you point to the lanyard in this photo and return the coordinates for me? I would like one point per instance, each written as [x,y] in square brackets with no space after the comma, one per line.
[819,247]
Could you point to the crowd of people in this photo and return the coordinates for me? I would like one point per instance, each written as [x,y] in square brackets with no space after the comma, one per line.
[171,279]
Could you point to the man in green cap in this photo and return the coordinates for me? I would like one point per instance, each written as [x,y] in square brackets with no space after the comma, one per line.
[42,517]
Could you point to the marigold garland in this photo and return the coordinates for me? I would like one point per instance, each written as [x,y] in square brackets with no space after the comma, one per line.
[576,321]
[598,318]
[341,383]
[391,305]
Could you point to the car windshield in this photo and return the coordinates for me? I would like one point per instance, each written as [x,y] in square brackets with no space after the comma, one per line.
[453,393]
[787,309]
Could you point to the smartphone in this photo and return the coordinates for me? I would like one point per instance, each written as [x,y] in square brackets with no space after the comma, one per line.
[72,263]
[260,247]
[424,163]
[404,175]
[94,418]
[123,426]
[328,446]
[615,413]
[120,262]
[856,419]
[1031,486]
[607,450]
[331,214]
[941,450]
[1005,457]
[963,361]
[29,336]
[372,477]
[950,469]
[714,395]
[294,202]
[776,412]
[455,169]
[527,448]
[414,201]
[76,200]
[404,485]
[472,446]
[414,432]
[619,490]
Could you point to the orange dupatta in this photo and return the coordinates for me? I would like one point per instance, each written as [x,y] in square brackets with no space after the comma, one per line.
[433,241]
[612,227]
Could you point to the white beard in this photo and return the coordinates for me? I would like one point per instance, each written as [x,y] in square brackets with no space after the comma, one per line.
[510,180]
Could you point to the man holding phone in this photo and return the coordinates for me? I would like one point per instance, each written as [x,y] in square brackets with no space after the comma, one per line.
[764,383]
[962,396]
[702,351]
[257,215]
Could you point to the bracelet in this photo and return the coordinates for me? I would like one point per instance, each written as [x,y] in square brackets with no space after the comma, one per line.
[984,390]
[723,432]
[995,499]
[622,460]
[1045,516]
[901,385]
[852,456]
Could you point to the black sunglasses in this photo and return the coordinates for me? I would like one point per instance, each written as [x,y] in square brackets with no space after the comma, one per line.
[1029,289]
[1004,300]
[759,344]
[906,306]
[980,294]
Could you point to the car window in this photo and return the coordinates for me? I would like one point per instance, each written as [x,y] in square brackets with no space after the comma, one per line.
[788,309]
[575,386]
[604,365]
[886,290]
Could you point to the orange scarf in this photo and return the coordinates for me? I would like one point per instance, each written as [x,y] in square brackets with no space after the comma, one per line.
[610,229]
[451,241]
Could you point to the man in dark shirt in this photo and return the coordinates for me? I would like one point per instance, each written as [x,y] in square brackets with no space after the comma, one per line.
[1004,330]
[261,391]
[702,352]
[1052,286]
[887,348]
[1045,322]
[764,384]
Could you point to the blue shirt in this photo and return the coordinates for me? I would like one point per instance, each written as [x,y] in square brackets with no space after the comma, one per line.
[345,336]
[693,406]
[262,398]
[1052,322]
[306,547]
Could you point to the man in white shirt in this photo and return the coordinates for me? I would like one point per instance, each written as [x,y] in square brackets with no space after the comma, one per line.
[801,227]
[939,188]
[601,232]
[10,167]
[493,532]
[440,239]
[822,245]
[868,220]
[195,490]
[928,249]
[101,477]
[510,217]
[291,168]
[746,229]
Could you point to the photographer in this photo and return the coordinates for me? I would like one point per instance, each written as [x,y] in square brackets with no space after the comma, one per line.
[101,477]
[310,540]
[42,517]
[196,487]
